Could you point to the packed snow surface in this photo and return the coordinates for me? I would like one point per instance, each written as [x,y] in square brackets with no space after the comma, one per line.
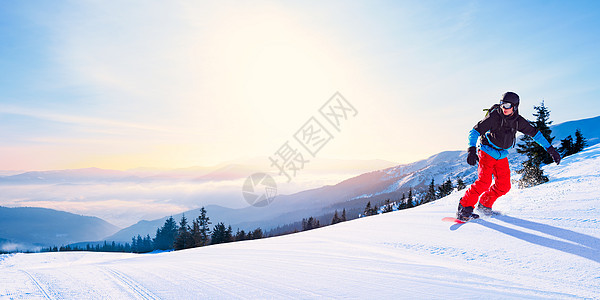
[545,244]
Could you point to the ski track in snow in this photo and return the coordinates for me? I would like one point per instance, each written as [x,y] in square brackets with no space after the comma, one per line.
[45,294]
[139,290]
[545,244]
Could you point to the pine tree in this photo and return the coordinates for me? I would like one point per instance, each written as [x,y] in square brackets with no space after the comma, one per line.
[409,200]
[155,240]
[441,191]
[219,234]
[147,244]
[343,219]
[532,175]
[241,235]
[387,207]
[536,154]
[310,223]
[460,184]
[184,238]
[165,236]
[566,147]
[257,233]
[134,246]
[368,209]
[402,204]
[336,219]
[229,235]
[445,189]
[580,141]
[430,196]
[203,237]
[195,232]
[139,241]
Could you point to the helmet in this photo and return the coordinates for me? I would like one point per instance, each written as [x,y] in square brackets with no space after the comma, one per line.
[511,98]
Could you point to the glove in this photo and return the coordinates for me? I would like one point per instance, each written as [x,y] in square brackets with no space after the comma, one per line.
[554,154]
[472,159]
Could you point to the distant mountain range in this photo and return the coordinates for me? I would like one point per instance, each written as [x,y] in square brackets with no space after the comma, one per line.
[349,194]
[29,227]
[239,169]
[69,176]
[590,128]
[390,182]
[354,193]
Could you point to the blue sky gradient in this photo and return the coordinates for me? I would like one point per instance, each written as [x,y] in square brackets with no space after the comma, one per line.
[123,85]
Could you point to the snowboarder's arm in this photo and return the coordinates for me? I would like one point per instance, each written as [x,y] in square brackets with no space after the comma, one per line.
[540,139]
[472,158]
[473,136]
[525,127]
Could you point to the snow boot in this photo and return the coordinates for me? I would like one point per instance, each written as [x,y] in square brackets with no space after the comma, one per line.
[465,213]
[487,211]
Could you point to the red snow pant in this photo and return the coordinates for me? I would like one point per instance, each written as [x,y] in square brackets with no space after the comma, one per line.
[481,190]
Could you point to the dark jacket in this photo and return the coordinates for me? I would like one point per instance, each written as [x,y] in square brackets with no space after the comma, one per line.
[501,130]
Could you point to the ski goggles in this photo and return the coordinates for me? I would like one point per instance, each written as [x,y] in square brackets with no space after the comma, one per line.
[506,105]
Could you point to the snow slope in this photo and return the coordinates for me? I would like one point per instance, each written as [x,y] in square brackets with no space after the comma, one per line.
[545,245]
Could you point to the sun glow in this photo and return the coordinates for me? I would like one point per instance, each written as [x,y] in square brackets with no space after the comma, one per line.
[264,57]
[257,68]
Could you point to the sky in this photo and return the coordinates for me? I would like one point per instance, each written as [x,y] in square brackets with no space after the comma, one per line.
[175,84]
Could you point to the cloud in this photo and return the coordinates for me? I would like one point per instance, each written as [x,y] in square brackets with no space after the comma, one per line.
[123,203]
[126,202]
[11,247]
[78,120]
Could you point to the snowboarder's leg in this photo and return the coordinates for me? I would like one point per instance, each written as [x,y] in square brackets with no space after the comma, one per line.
[483,182]
[501,184]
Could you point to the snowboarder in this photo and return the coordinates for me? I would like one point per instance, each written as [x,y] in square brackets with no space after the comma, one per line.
[498,131]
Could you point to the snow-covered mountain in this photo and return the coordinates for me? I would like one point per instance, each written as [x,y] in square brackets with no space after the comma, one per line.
[590,129]
[354,193]
[286,209]
[452,164]
[546,244]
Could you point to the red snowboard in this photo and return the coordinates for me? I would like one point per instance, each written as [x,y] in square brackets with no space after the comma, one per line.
[455,220]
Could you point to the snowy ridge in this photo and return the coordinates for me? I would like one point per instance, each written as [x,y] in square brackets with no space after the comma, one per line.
[440,167]
[546,244]
[452,164]
[590,128]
